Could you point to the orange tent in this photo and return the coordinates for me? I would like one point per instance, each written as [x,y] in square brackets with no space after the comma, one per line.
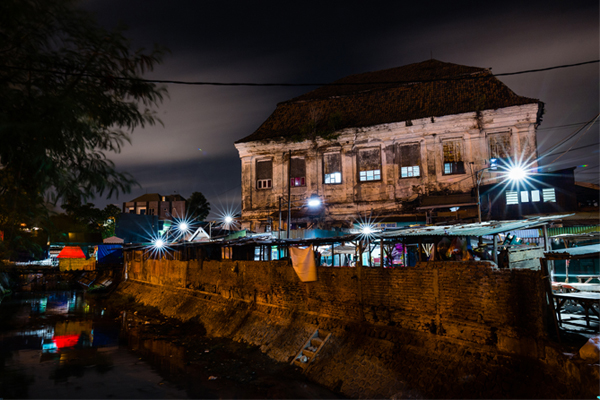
[71,252]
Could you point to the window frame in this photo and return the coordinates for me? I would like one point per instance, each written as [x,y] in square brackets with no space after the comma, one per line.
[406,165]
[268,184]
[297,181]
[376,173]
[492,138]
[338,174]
[456,167]
[263,183]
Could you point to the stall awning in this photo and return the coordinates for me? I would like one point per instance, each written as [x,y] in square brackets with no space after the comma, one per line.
[590,251]
[475,230]
[71,252]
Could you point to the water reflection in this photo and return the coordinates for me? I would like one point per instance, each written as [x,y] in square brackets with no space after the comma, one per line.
[53,336]
[56,323]
[59,345]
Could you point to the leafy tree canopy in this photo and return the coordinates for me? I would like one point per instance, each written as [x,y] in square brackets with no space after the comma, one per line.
[197,206]
[69,94]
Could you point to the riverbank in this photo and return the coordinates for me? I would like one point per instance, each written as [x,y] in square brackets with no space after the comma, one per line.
[209,367]
[363,360]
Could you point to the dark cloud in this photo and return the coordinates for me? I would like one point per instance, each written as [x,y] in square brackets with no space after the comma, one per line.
[316,41]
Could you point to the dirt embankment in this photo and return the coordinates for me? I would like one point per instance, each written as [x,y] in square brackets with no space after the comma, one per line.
[362,360]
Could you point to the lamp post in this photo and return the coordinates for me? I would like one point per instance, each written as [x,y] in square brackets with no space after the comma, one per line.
[314,201]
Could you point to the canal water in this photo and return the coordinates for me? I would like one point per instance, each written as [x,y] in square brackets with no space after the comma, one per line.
[60,345]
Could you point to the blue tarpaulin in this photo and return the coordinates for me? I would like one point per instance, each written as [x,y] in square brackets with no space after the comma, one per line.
[110,254]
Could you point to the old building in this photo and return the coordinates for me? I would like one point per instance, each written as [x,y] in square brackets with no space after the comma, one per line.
[376,145]
[164,207]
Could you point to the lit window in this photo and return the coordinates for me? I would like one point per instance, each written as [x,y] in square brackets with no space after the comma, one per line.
[369,165]
[373,175]
[408,172]
[409,158]
[549,195]
[524,196]
[297,182]
[453,160]
[332,168]
[535,196]
[512,197]
[297,172]
[335,177]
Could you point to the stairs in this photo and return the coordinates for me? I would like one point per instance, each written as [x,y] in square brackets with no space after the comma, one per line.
[311,348]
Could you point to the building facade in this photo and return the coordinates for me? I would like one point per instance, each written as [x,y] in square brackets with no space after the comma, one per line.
[374,146]
[164,207]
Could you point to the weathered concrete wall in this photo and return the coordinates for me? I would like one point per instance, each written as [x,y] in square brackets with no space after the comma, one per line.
[395,332]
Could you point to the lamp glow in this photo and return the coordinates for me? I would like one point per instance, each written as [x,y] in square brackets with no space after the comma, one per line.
[367,230]
[517,173]
[314,202]
[159,243]
[183,226]
[228,219]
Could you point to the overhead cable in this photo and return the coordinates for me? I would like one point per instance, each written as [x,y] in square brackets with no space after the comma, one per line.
[206,83]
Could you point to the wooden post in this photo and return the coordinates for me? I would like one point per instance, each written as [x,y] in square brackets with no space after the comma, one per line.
[547,248]
[332,255]
[548,296]
[495,250]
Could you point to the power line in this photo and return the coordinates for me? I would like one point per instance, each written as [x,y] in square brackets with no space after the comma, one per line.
[563,141]
[563,126]
[576,148]
[578,139]
[281,84]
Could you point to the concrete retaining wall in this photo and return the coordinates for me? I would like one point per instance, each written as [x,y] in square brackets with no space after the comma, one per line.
[428,331]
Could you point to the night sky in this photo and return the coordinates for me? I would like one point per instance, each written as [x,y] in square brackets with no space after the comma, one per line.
[320,41]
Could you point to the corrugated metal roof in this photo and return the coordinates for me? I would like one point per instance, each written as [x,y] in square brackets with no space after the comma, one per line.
[573,230]
[578,251]
[477,229]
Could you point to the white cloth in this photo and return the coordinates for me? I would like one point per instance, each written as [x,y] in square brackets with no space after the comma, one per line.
[303,261]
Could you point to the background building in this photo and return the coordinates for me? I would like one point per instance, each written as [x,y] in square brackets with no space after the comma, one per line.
[164,207]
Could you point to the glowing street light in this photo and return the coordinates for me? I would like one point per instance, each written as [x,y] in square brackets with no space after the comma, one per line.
[515,173]
[314,201]
[228,219]
[159,243]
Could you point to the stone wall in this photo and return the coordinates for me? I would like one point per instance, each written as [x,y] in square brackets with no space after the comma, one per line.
[466,301]
[444,329]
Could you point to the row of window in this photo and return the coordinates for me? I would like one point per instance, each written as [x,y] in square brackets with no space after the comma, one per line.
[369,162]
[530,196]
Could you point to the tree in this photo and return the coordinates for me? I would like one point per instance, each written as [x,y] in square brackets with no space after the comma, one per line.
[111,215]
[197,206]
[70,92]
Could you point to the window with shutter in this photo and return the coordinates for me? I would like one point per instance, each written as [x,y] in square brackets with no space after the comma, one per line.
[264,174]
[410,160]
[369,165]
[499,145]
[332,168]
[453,158]
[298,172]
